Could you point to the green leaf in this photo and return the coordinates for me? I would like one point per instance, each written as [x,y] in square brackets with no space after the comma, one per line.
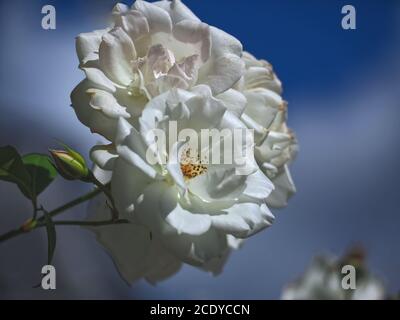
[51,237]
[12,169]
[41,171]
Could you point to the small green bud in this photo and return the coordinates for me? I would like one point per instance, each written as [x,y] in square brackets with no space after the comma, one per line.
[70,164]
[29,225]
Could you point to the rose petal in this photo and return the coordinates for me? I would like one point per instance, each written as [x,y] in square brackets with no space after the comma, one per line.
[106,103]
[87,45]
[116,54]
[95,119]
[99,79]
[234,101]
[157,18]
[197,33]
[224,68]
[134,251]
[284,189]
[244,219]
[258,186]
[103,156]
[177,10]
[133,22]
[263,106]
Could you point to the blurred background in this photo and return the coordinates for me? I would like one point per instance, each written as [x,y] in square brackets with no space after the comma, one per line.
[343,88]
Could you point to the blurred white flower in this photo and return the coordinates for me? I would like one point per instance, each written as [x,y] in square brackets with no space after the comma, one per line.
[149,49]
[266,113]
[323,281]
[195,212]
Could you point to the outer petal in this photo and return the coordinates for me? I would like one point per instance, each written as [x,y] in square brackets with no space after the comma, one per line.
[234,101]
[131,147]
[133,22]
[99,79]
[103,156]
[259,73]
[225,67]
[177,10]
[87,45]
[197,250]
[104,176]
[284,189]
[116,54]
[106,103]
[95,119]
[135,253]
[216,265]
[258,186]
[189,223]
[244,219]
[127,185]
[158,19]
[263,106]
[163,265]
[262,77]
[273,146]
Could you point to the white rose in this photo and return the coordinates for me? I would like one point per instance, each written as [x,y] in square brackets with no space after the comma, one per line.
[266,113]
[323,281]
[149,49]
[192,211]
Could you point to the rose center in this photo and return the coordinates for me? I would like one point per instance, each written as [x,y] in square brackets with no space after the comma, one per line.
[191,164]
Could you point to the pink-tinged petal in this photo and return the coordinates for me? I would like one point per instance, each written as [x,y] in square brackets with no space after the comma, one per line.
[196,34]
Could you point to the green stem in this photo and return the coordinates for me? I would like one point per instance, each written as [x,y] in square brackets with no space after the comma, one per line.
[69,205]
[11,234]
[106,191]
[89,223]
[75,202]
[35,208]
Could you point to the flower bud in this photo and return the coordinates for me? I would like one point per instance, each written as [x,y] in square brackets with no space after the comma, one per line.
[70,164]
[29,225]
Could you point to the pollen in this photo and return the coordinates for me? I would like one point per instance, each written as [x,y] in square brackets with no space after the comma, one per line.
[191,165]
[192,170]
